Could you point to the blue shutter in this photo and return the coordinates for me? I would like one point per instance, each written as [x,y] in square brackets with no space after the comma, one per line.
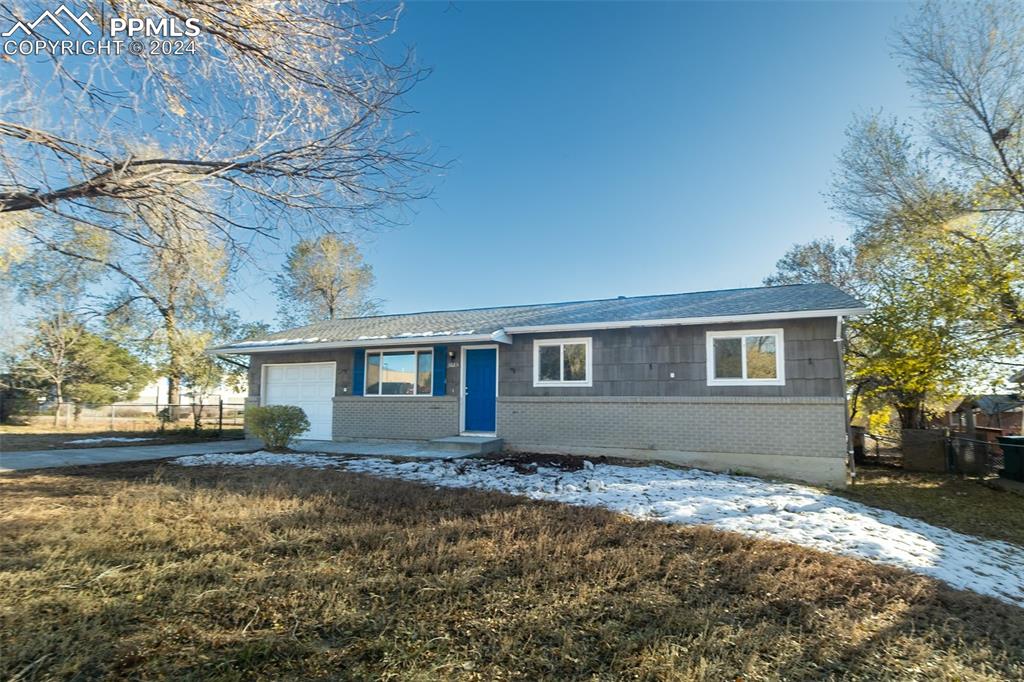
[358,370]
[440,368]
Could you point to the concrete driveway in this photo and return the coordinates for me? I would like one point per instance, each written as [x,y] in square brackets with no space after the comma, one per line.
[48,459]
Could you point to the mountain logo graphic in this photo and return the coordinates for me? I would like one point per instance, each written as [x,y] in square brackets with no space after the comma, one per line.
[29,28]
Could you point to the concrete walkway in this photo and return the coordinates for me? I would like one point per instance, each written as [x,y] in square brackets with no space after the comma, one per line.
[47,459]
[378,448]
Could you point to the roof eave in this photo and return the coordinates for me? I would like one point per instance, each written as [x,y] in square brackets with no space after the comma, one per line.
[242,349]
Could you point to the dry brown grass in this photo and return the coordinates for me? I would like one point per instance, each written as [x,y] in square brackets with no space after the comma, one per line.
[961,504]
[24,438]
[147,571]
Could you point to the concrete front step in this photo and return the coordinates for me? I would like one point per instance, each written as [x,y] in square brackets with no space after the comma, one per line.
[470,445]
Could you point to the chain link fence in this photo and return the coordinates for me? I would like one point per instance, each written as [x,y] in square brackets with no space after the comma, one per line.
[930,450]
[973,456]
[199,416]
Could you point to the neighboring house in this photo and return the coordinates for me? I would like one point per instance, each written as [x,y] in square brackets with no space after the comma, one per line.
[744,379]
[1003,413]
[156,392]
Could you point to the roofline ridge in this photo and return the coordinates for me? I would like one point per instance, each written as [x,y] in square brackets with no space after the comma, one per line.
[554,303]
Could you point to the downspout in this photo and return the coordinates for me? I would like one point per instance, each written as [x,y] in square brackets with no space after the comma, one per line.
[840,340]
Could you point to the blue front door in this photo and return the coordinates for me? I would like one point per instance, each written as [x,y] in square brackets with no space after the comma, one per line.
[481,388]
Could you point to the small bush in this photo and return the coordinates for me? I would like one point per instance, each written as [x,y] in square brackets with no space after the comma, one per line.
[17,411]
[165,417]
[276,425]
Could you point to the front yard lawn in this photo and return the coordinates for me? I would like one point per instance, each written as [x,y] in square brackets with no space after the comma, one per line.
[159,571]
[963,505]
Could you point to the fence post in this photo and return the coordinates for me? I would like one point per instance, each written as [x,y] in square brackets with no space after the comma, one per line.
[220,417]
[112,409]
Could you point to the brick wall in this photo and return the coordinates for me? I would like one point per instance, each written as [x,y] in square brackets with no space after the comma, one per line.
[760,427]
[399,417]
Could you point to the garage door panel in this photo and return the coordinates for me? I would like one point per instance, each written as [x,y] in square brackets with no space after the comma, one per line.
[309,386]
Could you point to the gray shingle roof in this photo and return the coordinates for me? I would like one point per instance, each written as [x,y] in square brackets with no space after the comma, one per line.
[484,321]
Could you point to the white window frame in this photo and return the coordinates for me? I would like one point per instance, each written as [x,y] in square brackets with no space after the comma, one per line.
[366,371]
[540,343]
[780,357]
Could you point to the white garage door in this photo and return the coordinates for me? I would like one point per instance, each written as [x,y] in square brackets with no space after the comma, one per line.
[309,385]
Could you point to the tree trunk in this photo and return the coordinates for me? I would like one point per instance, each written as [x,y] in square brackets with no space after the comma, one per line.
[173,390]
[60,398]
[197,415]
[854,403]
[911,416]
[173,366]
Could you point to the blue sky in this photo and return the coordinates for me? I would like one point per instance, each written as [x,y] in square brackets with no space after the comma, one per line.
[605,149]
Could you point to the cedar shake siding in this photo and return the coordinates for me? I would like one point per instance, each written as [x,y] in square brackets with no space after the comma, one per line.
[639,362]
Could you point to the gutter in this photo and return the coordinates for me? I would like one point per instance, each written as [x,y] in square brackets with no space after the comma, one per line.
[851,464]
[242,349]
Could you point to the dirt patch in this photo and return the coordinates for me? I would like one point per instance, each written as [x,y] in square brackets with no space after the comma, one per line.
[527,462]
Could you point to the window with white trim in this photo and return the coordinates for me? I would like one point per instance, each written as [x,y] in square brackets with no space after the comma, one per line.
[400,372]
[562,362]
[746,357]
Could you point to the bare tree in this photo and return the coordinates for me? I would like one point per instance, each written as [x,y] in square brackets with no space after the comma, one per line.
[963,163]
[966,62]
[324,279]
[172,287]
[285,115]
[821,260]
[49,354]
[56,287]
[155,292]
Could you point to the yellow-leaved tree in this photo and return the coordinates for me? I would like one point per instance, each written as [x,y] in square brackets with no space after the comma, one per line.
[937,215]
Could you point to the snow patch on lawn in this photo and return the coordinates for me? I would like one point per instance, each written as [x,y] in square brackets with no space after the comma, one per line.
[260,458]
[777,511]
[111,439]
